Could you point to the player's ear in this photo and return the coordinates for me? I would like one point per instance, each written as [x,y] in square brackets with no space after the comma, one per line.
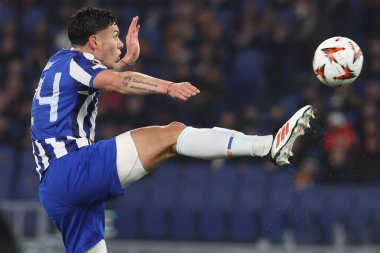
[93,41]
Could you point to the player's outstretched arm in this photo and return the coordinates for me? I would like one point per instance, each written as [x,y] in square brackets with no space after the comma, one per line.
[133,47]
[137,83]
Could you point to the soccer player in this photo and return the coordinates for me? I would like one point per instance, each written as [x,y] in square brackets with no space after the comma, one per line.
[78,175]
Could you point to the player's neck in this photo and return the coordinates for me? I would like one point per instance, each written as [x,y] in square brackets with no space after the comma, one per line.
[83,49]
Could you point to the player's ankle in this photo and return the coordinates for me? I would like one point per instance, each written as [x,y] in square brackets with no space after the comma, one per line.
[262,145]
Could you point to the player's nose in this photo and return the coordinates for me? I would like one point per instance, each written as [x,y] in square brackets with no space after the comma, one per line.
[120,44]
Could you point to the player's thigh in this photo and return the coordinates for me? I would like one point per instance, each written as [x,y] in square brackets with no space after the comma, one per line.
[157,143]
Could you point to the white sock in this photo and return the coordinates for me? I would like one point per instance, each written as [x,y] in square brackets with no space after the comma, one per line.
[214,143]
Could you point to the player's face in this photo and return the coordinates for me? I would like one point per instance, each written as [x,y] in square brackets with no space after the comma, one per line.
[109,45]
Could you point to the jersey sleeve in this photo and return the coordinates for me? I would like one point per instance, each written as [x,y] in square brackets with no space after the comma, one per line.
[84,69]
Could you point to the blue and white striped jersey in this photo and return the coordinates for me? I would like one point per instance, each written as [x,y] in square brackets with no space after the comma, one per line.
[64,106]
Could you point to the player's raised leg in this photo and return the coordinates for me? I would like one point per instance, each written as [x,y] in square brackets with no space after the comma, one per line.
[141,150]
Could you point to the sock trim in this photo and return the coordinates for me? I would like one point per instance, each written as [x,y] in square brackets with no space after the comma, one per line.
[229,151]
[180,138]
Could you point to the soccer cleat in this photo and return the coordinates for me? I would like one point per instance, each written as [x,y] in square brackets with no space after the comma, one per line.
[283,142]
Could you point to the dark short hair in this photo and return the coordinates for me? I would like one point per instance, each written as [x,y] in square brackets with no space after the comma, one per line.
[86,22]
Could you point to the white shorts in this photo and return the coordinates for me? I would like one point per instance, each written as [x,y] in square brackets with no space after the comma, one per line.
[129,167]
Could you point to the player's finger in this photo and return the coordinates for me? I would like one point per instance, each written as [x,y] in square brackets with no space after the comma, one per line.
[190,93]
[182,97]
[137,26]
[133,24]
[193,88]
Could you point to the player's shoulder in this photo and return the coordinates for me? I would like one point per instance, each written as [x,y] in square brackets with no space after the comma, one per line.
[75,59]
[68,54]
[60,57]
[63,53]
[87,59]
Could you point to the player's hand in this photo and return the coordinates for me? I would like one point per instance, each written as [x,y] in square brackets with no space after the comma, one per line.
[183,90]
[132,42]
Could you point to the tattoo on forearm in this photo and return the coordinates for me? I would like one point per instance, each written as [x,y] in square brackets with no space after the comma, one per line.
[126,81]
[140,88]
[129,80]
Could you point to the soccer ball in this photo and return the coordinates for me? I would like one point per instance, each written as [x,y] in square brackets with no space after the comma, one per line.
[337,61]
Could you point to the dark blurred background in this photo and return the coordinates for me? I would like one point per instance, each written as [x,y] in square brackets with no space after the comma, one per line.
[252,61]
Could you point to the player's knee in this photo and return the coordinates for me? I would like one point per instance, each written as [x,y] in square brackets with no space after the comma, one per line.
[176,126]
[175,129]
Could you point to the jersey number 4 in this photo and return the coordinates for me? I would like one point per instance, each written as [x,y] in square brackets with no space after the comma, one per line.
[50,100]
